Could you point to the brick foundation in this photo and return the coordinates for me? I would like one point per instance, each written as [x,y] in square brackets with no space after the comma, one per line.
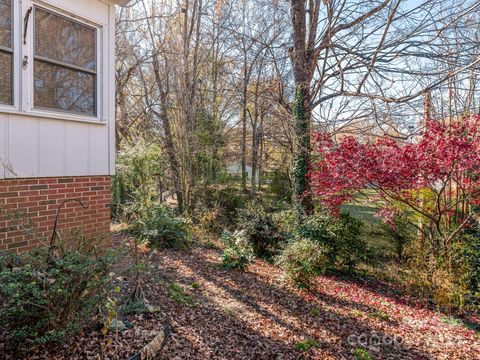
[28,209]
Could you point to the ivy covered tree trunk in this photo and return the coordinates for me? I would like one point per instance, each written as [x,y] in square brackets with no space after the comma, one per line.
[304,56]
[301,160]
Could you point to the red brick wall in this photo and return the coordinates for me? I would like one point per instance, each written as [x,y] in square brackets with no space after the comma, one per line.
[28,209]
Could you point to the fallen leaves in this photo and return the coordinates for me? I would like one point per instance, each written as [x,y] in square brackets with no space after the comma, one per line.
[253,315]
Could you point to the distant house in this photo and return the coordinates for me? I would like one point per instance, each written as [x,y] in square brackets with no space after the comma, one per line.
[57,117]
[235,170]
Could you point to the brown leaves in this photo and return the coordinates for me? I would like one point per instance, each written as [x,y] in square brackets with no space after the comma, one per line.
[253,315]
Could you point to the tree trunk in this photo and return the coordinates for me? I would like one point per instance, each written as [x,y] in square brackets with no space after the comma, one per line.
[174,165]
[301,157]
[244,128]
[169,144]
[303,57]
[260,156]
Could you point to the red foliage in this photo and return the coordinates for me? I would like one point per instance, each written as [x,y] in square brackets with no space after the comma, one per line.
[445,154]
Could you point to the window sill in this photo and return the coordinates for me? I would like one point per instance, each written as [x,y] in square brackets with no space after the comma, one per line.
[53,115]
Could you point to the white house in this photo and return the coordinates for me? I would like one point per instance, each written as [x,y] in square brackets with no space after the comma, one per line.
[57,116]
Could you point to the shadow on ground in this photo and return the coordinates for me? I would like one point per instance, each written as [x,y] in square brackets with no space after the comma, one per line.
[249,315]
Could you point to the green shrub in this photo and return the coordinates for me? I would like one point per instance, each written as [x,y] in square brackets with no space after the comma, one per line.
[287,222]
[302,260]
[280,185]
[262,233]
[467,267]
[226,202]
[46,298]
[238,252]
[342,236]
[159,225]
[400,233]
[139,172]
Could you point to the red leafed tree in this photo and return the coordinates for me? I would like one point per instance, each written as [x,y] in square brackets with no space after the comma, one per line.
[436,178]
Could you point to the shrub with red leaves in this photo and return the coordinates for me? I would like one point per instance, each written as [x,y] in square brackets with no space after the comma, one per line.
[444,164]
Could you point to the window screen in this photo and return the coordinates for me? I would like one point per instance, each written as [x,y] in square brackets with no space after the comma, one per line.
[6,53]
[65,65]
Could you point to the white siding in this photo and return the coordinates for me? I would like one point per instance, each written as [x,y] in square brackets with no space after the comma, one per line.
[36,146]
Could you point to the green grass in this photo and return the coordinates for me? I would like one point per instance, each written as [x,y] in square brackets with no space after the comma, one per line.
[357,313]
[362,354]
[382,315]
[306,345]
[177,293]
[361,212]
[364,206]
[458,322]
[372,232]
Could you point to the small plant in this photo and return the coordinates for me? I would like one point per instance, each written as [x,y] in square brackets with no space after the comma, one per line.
[362,354]
[314,312]
[357,313]
[302,260]
[47,296]
[306,345]
[382,315]
[262,233]
[195,285]
[452,321]
[159,225]
[238,253]
[177,293]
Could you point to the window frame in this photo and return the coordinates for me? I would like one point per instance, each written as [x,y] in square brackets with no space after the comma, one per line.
[23,75]
[65,65]
[13,51]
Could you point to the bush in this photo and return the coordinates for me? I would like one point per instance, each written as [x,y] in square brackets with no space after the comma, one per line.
[401,233]
[471,255]
[280,185]
[287,222]
[467,268]
[302,260]
[340,235]
[226,203]
[159,225]
[238,252]
[46,298]
[139,172]
[262,233]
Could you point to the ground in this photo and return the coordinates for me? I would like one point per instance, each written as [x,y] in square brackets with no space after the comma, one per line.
[253,315]
[220,314]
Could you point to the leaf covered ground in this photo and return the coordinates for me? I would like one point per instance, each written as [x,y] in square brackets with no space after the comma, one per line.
[254,315]
[224,314]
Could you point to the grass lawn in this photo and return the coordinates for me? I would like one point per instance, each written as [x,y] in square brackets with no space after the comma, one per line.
[373,230]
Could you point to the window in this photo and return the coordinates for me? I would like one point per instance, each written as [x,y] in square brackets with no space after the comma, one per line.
[65,64]
[6,53]
[51,60]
